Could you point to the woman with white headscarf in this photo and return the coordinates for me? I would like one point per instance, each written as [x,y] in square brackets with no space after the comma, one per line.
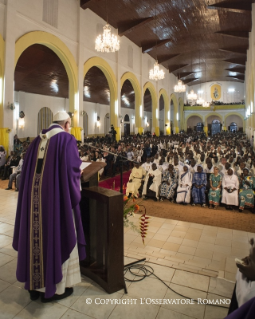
[230,186]
[2,158]
[184,188]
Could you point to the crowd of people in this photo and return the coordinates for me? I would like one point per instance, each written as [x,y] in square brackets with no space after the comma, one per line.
[182,168]
[186,169]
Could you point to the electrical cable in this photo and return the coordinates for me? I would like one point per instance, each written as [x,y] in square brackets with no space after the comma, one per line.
[148,271]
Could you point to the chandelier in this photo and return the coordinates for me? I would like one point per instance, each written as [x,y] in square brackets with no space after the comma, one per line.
[192,96]
[156,74]
[206,104]
[107,42]
[180,87]
[200,101]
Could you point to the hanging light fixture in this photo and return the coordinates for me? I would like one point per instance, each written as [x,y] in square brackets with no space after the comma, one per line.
[107,42]
[180,87]
[156,73]
[192,96]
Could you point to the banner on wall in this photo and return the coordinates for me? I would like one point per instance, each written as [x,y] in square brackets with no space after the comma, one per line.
[216,92]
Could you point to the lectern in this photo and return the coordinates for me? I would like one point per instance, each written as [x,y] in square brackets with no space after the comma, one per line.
[102,218]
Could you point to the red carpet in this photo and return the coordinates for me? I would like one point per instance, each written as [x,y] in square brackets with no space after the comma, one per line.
[109,183]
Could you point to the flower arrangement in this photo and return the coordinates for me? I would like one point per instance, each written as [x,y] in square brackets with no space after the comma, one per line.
[129,211]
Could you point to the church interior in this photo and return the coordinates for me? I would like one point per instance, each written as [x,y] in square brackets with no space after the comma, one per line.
[169,86]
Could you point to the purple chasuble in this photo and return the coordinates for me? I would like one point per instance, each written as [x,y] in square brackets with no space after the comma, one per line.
[246,311]
[44,232]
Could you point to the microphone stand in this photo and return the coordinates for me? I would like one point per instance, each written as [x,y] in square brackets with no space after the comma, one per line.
[122,159]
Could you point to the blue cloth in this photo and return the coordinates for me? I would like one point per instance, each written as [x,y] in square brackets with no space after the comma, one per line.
[198,194]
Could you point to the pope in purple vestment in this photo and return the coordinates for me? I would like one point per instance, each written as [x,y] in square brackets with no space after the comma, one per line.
[48,222]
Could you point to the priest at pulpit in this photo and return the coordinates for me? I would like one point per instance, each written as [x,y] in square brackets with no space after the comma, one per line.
[48,233]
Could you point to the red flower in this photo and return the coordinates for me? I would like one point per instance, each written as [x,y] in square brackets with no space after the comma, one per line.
[136,208]
[125,198]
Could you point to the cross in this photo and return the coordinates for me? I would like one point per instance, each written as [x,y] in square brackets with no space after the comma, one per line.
[42,149]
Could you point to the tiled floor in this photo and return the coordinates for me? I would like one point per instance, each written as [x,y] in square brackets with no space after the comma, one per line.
[196,261]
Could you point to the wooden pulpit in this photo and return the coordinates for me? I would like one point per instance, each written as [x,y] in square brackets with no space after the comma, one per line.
[102,218]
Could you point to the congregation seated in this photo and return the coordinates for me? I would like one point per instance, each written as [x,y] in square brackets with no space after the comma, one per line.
[135,180]
[230,186]
[184,188]
[16,175]
[152,183]
[208,170]
[169,184]
[199,183]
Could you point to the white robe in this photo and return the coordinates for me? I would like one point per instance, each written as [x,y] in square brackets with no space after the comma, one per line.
[146,166]
[156,182]
[136,176]
[183,192]
[230,182]
[245,289]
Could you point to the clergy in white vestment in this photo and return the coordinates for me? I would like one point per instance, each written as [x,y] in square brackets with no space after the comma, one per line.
[230,186]
[135,180]
[152,182]
[184,188]
[147,165]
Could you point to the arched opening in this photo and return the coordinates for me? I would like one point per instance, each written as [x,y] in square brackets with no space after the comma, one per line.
[128,106]
[215,127]
[107,123]
[209,120]
[161,115]
[85,124]
[147,100]
[45,118]
[96,100]
[40,79]
[234,118]
[200,127]
[192,124]
[233,127]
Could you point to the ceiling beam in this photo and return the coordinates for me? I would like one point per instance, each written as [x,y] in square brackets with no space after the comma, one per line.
[190,80]
[165,58]
[235,78]
[173,68]
[185,74]
[235,34]
[235,50]
[237,70]
[84,3]
[236,61]
[232,5]
[150,46]
[130,26]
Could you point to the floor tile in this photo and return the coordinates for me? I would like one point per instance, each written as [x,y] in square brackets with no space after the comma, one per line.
[72,314]
[187,279]
[12,301]
[8,271]
[190,310]
[221,287]
[169,314]
[38,310]
[94,294]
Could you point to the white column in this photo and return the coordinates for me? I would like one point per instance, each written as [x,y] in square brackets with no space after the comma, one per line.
[9,67]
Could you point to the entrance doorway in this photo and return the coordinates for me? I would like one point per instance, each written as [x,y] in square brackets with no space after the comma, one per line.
[216,127]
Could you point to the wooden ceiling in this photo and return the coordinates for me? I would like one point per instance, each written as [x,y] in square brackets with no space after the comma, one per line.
[197,40]
[39,70]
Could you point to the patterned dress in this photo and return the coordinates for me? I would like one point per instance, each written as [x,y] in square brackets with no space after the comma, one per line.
[246,195]
[166,190]
[198,194]
[215,195]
